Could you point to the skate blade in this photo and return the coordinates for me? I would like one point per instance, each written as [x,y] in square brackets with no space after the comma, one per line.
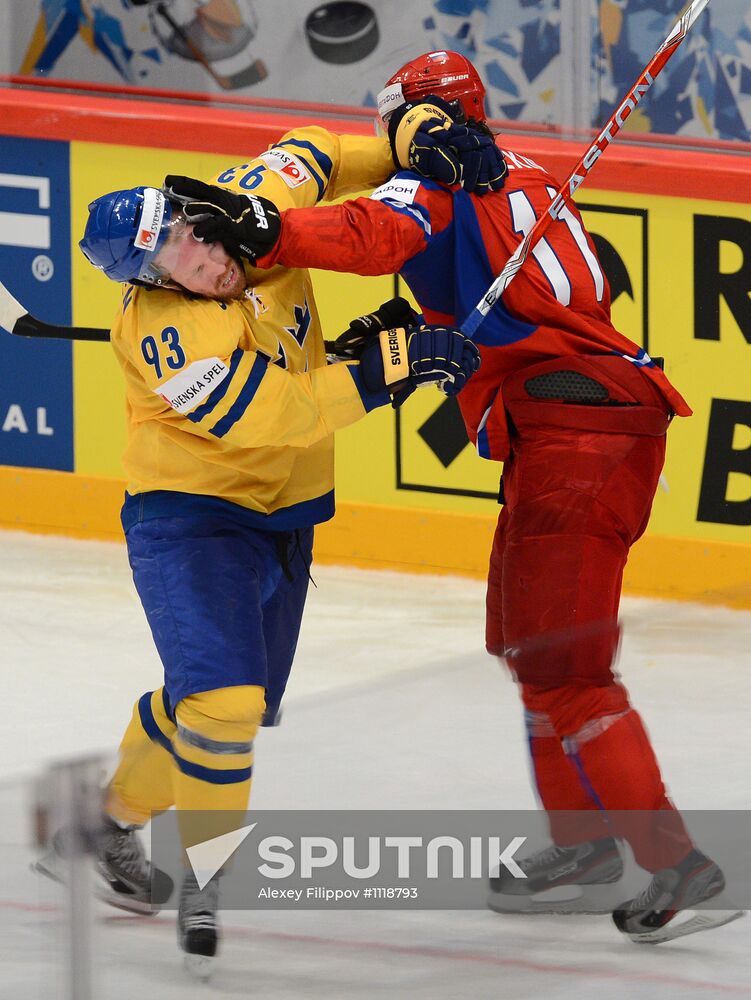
[130,902]
[692,923]
[41,867]
[199,967]
[562,899]
[102,891]
[123,902]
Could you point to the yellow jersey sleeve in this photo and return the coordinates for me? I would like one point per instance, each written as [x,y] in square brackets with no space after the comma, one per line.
[193,364]
[311,164]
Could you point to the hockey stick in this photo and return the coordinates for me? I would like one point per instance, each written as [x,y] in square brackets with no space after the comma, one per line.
[16,320]
[243,78]
[583,168]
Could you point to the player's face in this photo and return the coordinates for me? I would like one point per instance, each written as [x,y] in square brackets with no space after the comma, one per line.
[203,268]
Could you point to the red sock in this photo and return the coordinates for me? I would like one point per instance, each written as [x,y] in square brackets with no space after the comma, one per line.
[602,759]
[620,765]
[559,787]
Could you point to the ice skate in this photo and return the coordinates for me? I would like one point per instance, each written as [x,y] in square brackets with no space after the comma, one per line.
[663,912]
[197,926]
[127,879]
[132,882]
[560,879]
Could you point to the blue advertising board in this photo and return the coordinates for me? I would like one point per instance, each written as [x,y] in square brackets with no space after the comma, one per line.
[36,377]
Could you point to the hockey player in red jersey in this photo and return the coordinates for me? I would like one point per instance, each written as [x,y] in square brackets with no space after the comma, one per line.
[578,414]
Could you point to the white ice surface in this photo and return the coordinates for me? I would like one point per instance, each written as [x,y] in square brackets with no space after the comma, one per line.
[393,704]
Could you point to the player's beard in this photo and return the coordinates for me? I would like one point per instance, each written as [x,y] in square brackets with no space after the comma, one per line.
[236,289]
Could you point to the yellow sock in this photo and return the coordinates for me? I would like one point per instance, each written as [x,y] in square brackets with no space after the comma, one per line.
[142,783]
[213,759]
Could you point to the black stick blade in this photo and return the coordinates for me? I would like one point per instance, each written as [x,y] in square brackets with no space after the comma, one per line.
[29,326]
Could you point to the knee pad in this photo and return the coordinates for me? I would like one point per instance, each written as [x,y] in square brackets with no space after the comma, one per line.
[225,716]
[213,757]
[571,709]
[578,654]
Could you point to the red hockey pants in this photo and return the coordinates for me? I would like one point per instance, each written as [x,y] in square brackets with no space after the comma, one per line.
[579,488]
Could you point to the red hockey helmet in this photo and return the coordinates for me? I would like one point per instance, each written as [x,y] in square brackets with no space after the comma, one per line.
[438,74]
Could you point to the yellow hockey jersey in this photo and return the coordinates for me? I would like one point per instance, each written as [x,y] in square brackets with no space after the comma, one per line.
[231,405]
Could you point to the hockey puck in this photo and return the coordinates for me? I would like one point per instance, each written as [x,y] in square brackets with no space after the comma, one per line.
[342,32]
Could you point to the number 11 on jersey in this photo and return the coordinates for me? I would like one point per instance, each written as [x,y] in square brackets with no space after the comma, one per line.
[523,218]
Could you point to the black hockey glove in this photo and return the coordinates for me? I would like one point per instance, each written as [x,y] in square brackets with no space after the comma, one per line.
[246,225]
[425,138]
[483,167]
[349,345]
[400,360]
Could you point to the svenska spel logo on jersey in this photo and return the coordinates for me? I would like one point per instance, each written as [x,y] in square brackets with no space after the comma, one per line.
[290,169]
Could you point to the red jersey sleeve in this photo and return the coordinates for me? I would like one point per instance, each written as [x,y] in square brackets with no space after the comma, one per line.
[374,235]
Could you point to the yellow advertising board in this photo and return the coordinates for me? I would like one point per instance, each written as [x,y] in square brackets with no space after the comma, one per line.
[411,491]
[672,263]
[647,245]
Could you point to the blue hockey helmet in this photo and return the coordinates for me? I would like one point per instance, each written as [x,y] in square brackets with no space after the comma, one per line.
[125,232]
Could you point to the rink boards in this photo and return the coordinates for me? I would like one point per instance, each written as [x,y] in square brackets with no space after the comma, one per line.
[412,494]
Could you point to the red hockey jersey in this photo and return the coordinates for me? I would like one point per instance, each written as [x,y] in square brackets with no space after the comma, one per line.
[449,246]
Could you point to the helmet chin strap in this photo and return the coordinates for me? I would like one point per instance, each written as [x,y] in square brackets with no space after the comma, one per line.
[168,286]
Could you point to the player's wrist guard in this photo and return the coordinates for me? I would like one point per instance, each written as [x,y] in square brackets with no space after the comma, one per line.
[399,360]
[246,225]
[349,345]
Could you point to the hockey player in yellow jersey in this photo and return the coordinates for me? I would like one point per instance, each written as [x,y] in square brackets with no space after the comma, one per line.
[231,409]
